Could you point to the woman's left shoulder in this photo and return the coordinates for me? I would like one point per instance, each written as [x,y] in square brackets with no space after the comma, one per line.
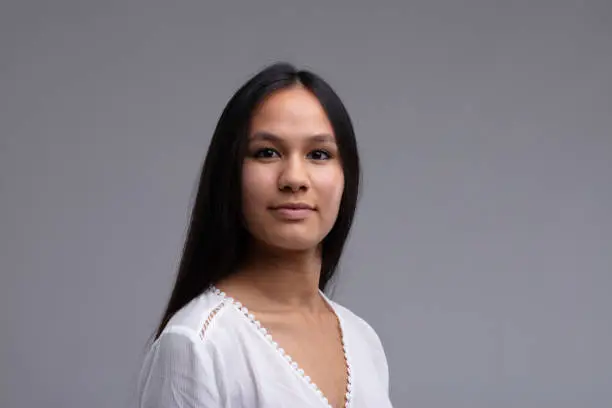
[357,325]
[365,344]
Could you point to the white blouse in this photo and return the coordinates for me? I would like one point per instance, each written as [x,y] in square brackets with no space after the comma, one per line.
[213,353]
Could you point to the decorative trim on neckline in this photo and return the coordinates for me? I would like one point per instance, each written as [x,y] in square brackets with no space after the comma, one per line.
[299,371]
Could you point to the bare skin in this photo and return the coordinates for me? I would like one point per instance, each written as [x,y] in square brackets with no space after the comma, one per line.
[287,303]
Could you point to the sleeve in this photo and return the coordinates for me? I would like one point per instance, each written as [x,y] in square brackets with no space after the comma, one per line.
[380,359]
[178,373]
[377,352]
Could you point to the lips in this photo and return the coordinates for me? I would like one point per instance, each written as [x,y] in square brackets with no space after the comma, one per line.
[293,211]
[294,206]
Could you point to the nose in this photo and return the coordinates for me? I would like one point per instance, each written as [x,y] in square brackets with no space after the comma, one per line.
[294,175]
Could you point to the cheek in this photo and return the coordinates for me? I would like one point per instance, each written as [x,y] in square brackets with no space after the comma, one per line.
[331,185]
[257,184]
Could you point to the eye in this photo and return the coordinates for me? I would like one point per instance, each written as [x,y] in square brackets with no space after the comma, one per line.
[266,153]
[319,155]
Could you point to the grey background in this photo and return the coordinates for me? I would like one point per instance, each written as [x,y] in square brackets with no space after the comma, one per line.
[482,252]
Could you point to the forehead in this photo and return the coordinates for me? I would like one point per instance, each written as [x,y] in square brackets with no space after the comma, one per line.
[291,112]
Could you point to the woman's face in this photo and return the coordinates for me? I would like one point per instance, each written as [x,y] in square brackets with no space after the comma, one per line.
[292,178]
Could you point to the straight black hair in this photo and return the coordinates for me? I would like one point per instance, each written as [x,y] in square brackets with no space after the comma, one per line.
[217,240]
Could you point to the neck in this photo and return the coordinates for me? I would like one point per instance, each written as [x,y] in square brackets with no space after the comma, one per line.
[275,280]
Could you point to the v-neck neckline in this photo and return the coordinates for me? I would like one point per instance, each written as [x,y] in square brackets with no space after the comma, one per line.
[293,364]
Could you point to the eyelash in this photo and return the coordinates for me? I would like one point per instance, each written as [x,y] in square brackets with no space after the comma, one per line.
[258,153]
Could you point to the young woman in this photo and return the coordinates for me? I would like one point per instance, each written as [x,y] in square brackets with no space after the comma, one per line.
[248,324]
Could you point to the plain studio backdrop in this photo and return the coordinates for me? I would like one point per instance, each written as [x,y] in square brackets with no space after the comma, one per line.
[482,250]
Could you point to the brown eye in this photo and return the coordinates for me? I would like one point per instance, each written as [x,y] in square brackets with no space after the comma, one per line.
[265,153]
[319,155]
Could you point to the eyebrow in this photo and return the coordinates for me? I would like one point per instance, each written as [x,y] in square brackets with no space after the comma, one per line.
[267,136]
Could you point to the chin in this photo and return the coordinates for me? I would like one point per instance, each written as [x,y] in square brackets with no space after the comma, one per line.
[292,241]
[295,247]
[294,244]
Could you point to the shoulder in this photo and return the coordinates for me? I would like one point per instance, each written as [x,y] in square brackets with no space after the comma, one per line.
[357,325]
[181,365]
[207,325]
[365,342]
[196,315]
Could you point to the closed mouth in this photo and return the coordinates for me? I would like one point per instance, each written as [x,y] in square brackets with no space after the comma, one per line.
[294,206]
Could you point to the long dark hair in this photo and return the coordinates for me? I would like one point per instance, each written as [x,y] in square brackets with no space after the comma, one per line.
[216,239]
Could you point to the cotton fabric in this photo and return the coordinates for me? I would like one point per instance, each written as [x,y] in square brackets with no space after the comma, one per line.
[211,355]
